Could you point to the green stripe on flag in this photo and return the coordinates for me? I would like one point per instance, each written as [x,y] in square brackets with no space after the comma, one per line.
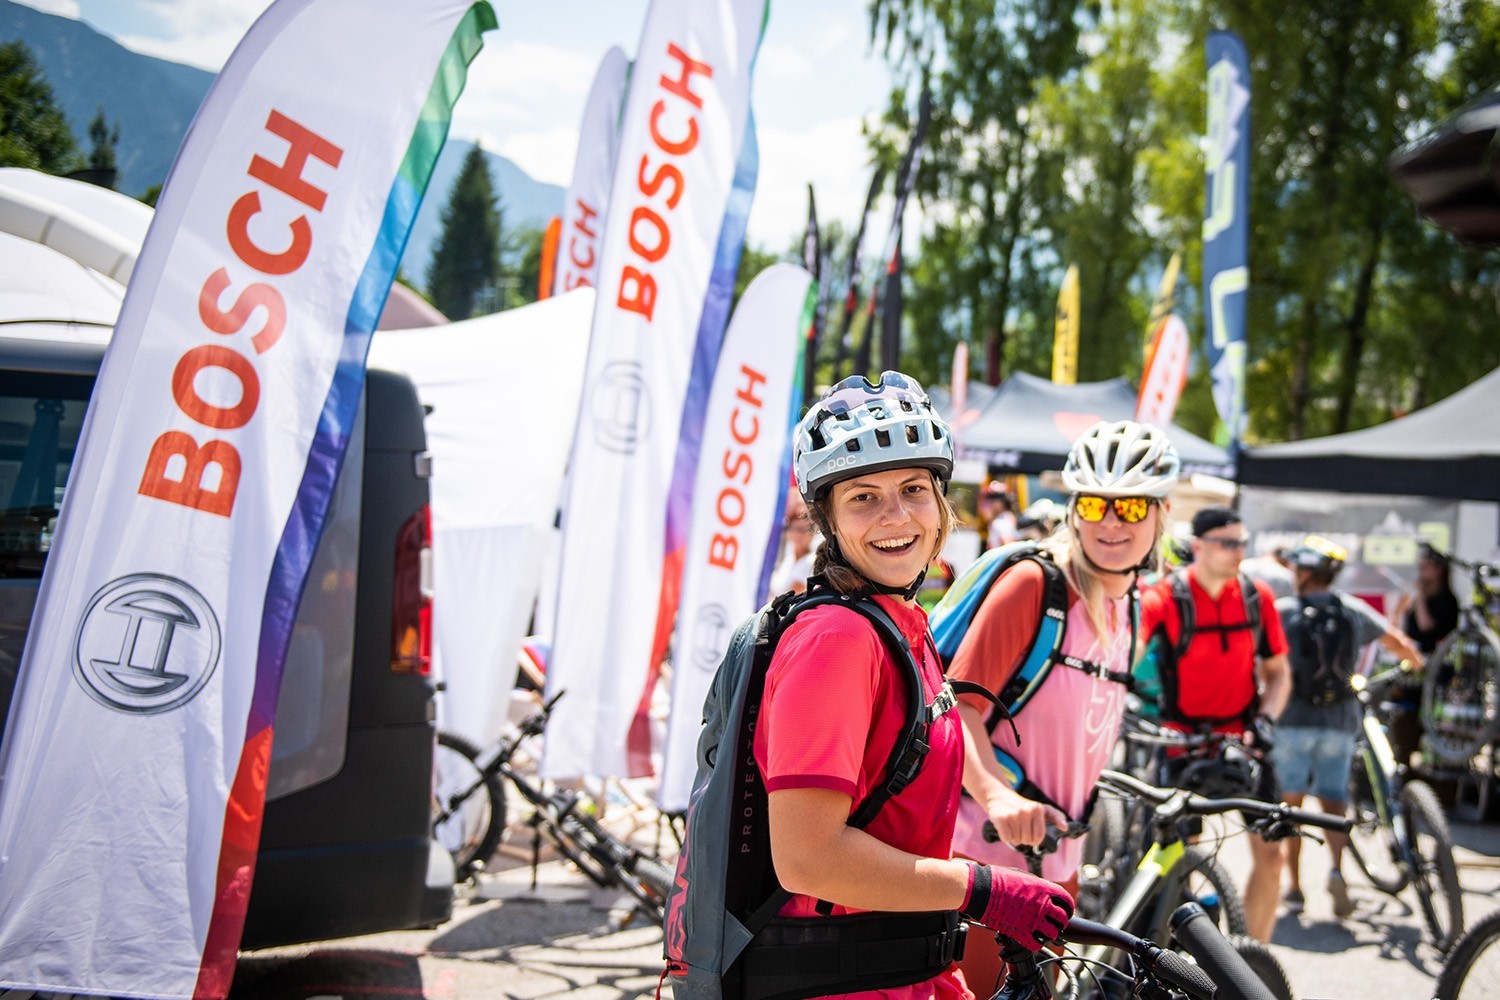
[447,83]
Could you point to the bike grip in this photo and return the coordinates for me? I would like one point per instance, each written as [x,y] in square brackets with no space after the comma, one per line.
[1324,821]
[1187,977]
[1200,936]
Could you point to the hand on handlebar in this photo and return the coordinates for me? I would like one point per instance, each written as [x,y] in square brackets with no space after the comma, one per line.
[1020,822]
[1029,910]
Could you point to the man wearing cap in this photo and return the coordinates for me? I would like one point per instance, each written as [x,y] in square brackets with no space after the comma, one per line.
[1222,658]
[1327,631]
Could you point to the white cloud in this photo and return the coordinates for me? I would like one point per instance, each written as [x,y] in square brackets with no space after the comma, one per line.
[67,8]
[783,62]
[546,155]
[831,155]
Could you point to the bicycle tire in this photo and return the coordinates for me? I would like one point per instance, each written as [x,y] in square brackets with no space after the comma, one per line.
[473,832]
[655,875]
[1264,964]
[1461,693]
[1226,904]
[1436,873]
[1473,967]
[1104,848]
[1369,839]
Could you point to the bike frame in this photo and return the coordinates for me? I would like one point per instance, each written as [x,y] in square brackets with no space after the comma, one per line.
[1384,777]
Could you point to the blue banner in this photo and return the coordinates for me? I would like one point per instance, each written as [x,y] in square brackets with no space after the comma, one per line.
[1226,230]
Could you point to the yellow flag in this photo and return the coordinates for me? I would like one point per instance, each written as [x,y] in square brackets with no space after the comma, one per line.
[1166,301]
[1065,338]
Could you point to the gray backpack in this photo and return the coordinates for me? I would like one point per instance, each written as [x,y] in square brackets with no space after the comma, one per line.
[723,939]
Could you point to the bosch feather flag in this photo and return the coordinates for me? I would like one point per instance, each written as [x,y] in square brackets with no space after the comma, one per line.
[593,176]
[672,240]
[1226,229]
[138,743]
[741,491]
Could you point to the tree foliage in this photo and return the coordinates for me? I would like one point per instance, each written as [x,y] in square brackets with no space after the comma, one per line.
[1071,132]
[464,276]
[34,131]
[104,141]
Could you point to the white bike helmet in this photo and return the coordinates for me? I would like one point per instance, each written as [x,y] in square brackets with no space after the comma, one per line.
[859,426]
[1122,459]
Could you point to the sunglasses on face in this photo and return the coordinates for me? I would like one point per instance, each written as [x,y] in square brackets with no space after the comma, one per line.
[1131,510]
[1228,543]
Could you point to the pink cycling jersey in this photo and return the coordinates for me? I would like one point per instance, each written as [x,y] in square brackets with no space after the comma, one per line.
[833,707]
[1068,728]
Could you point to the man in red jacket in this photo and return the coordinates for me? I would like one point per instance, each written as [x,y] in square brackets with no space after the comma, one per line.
[1228,674]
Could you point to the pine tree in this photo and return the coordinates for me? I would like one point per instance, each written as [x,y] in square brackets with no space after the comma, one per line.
[33,130]
[105,141]
[464,275]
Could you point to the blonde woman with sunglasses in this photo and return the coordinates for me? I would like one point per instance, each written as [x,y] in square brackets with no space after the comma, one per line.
[1118,476]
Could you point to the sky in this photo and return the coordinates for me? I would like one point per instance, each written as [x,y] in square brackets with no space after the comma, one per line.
[815,82]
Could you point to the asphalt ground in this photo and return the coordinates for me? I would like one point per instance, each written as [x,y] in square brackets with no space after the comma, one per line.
[564,938]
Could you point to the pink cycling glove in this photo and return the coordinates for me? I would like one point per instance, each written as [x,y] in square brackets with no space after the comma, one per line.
[1029,910]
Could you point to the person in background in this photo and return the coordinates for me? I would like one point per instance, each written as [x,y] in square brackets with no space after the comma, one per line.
[1427,613]
[1326,631]
[1270,568]
[1040,519]
[1118,475]
[998,512]
[873,461]
[796,563]
[1230,679]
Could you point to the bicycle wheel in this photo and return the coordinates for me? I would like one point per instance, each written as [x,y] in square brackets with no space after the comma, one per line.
[1461,693]
[1104,850]
[1436,874]
[468,805]
[1369,839]
[1209,885]
[1473,968]
[1264,964]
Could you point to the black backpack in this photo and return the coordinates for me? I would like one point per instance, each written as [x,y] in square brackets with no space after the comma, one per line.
[1169,653]
[1322,649]
[723,938]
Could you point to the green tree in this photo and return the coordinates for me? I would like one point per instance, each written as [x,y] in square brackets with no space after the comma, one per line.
[105,141]
[33,130]
[522,266]
[463,278]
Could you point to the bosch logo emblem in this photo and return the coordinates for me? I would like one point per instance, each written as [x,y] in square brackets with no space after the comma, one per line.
[146,644]
[621,407]
[710,637]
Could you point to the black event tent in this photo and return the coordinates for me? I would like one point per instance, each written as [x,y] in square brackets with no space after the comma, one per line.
[1450,449]
[1453,173]
[1028,424]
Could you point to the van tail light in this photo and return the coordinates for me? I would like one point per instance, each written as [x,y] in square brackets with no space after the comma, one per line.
[411,612]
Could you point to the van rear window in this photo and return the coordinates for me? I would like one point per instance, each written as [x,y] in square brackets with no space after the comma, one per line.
[41,417]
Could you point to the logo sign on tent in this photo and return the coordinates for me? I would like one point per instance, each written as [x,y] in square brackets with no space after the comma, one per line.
[137,749]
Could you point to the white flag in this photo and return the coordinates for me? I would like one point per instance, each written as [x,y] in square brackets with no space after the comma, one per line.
[740,491]
[593,174]
[671,241]
[137,748]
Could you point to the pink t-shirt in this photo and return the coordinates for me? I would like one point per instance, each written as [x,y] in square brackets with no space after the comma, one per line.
[833,707]
[1069,726]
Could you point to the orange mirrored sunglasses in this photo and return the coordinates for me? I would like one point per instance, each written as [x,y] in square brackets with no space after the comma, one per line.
[1131,510]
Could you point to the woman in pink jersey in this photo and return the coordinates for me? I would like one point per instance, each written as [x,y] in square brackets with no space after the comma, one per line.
[1118,475]
[873,462]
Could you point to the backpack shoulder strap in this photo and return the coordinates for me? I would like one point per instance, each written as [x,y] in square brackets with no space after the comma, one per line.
[1253,616]
[1187,612]
[1046,642]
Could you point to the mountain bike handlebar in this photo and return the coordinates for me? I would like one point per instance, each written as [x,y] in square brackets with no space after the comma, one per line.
[1176,801]
[1024,976]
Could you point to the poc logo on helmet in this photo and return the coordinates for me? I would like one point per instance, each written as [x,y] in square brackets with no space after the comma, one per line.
[620,407]
[146,644]
[841,462]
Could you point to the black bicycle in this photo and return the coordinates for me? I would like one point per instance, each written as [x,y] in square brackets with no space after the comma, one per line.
[1148,970]
[469,818]
[1400,835]
[1473,968]
[1461,683]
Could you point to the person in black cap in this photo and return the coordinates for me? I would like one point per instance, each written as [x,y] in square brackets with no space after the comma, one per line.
[1221,653]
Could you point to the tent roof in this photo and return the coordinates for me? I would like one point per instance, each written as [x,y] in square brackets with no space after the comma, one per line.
[1029,424]
[1448,449]
[1452,173]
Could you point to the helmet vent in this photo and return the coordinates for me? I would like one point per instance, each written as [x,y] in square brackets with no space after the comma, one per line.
[852,444]
[937,430]
[883,438]
[906,405]
[911,434]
